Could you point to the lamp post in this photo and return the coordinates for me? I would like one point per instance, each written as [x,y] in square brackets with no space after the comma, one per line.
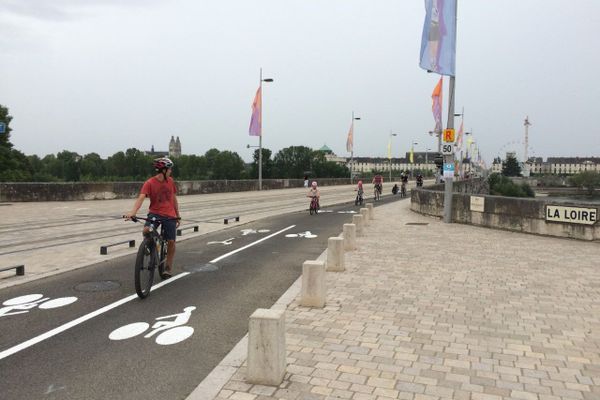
[426,155]
[260,137]
[352,148]
[412,151]
[390,154]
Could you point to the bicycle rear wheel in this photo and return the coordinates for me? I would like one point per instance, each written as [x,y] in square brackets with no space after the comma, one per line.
[144,268]
[162,262]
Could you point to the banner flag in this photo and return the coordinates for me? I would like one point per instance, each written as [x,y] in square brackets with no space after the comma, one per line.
[389,149]
[412,157]
[438,42]
[436,107]
[459,136]
[255,121]
[350,140]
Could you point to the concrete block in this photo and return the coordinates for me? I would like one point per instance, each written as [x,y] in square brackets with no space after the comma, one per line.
[349,237]
[335,254]
[266,347]
[314,290]
[365,213]
[371,211]
[358,221]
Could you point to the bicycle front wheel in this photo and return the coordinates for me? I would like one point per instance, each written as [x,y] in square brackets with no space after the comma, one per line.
[145,263]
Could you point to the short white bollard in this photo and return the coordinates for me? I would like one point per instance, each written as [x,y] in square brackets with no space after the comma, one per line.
[358,221]
[365,213]
[314,290]
[349,237]
[266,347]
[371,212]
[335,254]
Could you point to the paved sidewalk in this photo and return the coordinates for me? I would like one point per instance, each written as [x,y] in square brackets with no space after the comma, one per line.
[444,311]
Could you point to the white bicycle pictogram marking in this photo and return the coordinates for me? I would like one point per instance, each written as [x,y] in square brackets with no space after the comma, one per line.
[172,331]
[225,242]
[347,212]
[22,304]
[307,235]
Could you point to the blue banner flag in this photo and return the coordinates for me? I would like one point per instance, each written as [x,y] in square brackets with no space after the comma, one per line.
[438,44]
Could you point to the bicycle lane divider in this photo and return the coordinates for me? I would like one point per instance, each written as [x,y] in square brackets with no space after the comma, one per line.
[53,332]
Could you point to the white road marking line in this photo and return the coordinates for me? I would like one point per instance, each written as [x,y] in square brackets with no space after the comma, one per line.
[251,244]
[75,322]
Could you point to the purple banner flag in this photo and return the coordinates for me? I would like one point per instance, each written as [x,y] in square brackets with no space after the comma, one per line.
[438,43]
[255,121]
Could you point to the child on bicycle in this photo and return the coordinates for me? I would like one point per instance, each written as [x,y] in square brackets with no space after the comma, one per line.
[314,192]
[162,192]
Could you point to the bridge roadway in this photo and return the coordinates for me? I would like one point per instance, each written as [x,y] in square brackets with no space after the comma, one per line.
[73,335]
[53,237]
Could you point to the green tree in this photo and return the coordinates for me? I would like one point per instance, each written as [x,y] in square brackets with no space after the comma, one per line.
[190,167]
[227,165]
[267,167]
[92,167]
[501,185]
[511,166]
[15,165]
[292,162]
[589,180]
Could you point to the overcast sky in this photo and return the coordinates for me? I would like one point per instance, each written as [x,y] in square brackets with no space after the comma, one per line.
[106,75]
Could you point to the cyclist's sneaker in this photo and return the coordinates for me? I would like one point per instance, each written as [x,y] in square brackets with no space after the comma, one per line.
[166,275]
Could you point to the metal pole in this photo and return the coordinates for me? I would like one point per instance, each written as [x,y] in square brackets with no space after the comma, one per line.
[352,148]
[449,159]
[260,138]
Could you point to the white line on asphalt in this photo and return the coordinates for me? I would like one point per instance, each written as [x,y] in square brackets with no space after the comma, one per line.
[75,322]
[251,244]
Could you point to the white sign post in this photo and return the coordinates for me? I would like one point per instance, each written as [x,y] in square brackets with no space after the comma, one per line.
[447,149]
[571,215]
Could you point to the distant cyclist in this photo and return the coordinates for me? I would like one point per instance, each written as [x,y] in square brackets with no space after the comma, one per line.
[360,193]
[162,192]
[378,183]
[404,182]
[314,192]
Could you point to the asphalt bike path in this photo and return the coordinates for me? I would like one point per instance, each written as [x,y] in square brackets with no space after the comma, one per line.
[163,346]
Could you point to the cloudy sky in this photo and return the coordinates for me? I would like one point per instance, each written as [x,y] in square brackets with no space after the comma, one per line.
[106,75]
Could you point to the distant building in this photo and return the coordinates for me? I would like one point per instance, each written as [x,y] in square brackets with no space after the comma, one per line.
[174,149]
[556,165]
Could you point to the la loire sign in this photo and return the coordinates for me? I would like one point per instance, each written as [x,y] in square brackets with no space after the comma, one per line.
[571,215]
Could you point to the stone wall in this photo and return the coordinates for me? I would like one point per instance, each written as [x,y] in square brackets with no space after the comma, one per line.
[509,213]
[66,191]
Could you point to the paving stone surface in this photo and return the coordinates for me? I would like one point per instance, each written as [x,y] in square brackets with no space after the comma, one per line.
[446,311]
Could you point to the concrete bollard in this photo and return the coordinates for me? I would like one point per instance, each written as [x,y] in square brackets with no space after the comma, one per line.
[335,254]
[365,213]
[371,211]
[266,347]
[349,237]
[313,284]
[358,221]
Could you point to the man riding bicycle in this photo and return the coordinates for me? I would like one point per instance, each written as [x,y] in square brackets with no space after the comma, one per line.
[378,183]
[404,182]
[163,208]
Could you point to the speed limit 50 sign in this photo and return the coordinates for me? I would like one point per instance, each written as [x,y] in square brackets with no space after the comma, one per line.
[447,149]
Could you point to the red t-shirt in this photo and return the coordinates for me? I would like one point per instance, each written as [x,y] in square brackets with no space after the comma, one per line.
[162,196]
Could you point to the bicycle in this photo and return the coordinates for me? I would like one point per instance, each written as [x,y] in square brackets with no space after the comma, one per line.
[377,192]
[151,254]
[359,198]
[314,205]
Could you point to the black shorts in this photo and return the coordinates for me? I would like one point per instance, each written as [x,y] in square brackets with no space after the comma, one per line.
[169,225]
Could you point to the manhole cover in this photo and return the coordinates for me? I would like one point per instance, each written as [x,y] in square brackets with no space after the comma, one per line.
[99,286]
[201,268]
[417,223]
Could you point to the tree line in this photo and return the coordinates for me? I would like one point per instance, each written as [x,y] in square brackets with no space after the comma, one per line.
[135,165]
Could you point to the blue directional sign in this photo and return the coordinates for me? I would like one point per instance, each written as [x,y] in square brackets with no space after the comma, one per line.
[2,127]
[448,170]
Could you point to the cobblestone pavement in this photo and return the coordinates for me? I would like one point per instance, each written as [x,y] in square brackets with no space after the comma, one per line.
[446,311]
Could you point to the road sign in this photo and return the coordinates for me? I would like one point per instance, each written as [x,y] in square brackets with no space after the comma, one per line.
[449,135]
[2,127]
[447,149]
[448,170]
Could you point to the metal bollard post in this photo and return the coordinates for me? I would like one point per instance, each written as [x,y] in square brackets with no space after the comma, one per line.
[314,290]
[335,254]
[266,347]
[371,211]
[365,213]
[358,221]
[349,237]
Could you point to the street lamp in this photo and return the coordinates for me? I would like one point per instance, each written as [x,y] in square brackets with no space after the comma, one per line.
[352,144]
[390,153]
[260,137]
[412,152]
